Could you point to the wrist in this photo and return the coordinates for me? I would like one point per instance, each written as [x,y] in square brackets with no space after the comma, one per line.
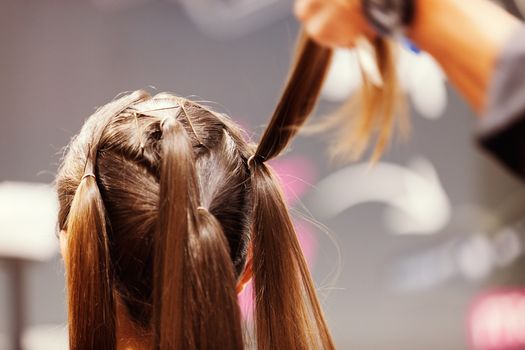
[430,16]
[359,21]
[465,37]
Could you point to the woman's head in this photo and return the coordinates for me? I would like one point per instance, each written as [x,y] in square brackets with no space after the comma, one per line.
[160,206]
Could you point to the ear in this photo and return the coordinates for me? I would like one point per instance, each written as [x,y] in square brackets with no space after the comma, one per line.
[247,274]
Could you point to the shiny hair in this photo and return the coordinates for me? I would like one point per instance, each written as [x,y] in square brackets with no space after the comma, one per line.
[367,120]
[161,200]
[370,117]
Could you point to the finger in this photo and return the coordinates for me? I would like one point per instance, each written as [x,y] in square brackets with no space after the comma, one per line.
[306,9]
[325,29]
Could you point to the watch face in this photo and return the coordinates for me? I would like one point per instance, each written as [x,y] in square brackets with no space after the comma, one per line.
[386,16]
[386,6]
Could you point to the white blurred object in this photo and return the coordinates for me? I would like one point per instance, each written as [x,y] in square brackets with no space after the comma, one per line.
[417,203]
[45,337]
[41,337]
[234,18]
[507,247]
[219,18]
[476,257]
[343,77]
[423,270]
[420,76]
[28,213]
[424,81]
[367,59]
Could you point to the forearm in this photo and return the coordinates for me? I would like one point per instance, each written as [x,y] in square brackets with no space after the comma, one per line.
[466,37]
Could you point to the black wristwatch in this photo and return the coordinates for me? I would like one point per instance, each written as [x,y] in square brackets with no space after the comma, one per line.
[389,17]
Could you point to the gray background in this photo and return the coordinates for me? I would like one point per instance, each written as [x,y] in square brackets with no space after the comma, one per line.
[61,59]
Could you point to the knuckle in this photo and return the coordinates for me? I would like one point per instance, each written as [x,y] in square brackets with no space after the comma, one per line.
[316,35]
[303,9]
[317,30]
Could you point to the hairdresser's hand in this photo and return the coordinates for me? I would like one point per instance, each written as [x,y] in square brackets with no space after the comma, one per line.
[333,23]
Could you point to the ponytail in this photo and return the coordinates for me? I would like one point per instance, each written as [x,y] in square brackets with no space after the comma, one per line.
[371,116]
[194,300]
[288,314]
[368,117]
[292,318]
[298,98]
[89,272]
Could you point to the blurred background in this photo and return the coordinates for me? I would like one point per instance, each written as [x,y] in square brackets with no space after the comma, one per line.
[423,251]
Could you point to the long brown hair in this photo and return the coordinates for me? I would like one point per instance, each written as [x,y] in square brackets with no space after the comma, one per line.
[161,199]
[368,118]
[374,119]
